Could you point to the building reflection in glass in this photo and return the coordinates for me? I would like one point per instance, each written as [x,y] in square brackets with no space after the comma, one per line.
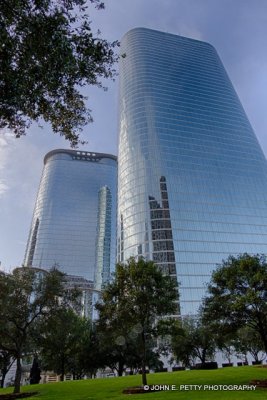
[182,124]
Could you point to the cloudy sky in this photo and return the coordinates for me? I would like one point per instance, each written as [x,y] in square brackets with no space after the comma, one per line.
[237,29]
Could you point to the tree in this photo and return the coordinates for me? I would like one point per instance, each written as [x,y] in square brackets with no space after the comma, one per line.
[120,349]
[6,362]
[139,296]
[48,51]
[226,344]
[248,341]
[181,346]
[113,344]
[89,356]
[191,340]
[237,295]
[25,297]
[134,358]
[68,333]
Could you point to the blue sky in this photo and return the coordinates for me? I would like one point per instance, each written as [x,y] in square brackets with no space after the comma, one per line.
[237,29]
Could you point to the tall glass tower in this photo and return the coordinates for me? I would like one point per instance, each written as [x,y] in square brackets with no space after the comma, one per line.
[192,176]
[74,221]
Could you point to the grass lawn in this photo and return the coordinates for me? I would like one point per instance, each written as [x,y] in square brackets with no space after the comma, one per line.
[111,388]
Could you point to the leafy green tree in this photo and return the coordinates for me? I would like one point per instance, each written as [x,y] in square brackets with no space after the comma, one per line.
[6,362]
[48,51]
[226,344]
[247,341]
[237,295]
[68,333]
[114,346]
[25,297]
[181,347]
[134,358]
[193,340]
[139,296]
[120,348]
[89,356]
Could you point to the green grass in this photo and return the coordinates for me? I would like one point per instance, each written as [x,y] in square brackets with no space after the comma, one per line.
[111,388]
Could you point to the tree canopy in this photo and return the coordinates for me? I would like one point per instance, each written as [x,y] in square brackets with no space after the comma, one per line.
[134,303]
[191,340]
[70,335]
[247,341]
[237,295]
[25,297]
[48,51]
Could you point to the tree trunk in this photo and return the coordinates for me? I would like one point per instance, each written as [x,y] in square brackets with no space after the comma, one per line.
[62,372]
[18,376]
[262,332]
[263,337]
[3,378]
[6,367]
[120,368]
[144,380]
[202,356]
[4,371]
[62,369]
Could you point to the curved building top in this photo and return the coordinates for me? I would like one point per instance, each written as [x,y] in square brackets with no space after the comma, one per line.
[168,35]
[80,155]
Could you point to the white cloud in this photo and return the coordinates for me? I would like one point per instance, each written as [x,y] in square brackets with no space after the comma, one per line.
[5,152]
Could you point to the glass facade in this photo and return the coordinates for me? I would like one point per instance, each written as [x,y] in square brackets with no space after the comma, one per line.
[74,221]
[87,298]
[192,176]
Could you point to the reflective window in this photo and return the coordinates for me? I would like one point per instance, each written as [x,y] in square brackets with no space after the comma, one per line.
[75,215]
[192,176]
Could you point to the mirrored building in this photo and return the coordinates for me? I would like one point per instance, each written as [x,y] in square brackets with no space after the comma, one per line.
[74,221]
[192,176]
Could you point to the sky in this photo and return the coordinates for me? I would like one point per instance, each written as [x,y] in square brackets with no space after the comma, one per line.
[236,28]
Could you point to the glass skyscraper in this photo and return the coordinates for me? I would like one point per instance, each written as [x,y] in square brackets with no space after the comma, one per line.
[74,221]
[192,176]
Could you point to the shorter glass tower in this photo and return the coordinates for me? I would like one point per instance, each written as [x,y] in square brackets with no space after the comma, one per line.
[73,224]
